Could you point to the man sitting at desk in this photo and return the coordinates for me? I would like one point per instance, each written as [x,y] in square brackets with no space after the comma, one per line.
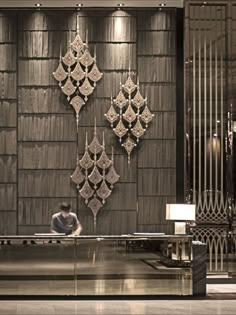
[65,221]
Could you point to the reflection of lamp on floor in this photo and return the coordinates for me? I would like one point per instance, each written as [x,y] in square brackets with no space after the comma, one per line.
[180,212]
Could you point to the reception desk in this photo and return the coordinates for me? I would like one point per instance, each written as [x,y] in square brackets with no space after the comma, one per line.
[97,265]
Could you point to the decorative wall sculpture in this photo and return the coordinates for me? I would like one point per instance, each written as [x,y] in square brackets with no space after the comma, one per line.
[95,175]
[77,73]
[130,116]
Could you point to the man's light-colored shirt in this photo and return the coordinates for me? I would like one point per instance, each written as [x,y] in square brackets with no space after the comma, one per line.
[64,225]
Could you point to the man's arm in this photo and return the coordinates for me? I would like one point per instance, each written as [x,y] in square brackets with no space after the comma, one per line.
[53,226]
[78,230]
[77,226]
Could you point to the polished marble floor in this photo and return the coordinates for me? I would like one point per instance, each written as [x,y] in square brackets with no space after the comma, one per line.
[120,307]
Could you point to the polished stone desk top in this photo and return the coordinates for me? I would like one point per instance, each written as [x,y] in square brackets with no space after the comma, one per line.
[123,237]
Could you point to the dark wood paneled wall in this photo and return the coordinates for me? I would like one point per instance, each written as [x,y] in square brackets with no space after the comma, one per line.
[37,126]
[156,54]
[8,124]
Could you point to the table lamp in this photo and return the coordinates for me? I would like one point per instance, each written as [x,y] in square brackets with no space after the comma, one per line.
[180,213]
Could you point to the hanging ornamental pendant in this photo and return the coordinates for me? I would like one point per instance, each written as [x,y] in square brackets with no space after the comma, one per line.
[129,115]
[60,74]
[95,175]
[77,72]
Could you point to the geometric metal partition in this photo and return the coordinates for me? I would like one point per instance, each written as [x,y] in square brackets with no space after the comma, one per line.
[207,108]
[209,182]
[217,244]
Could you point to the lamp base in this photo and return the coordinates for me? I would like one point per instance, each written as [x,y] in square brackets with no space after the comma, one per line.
[180,227]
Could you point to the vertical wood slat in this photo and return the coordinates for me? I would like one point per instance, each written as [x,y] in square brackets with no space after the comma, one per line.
[120,222]
[45,183]
[152,209]
[8,57]
[7,27]
[7,85]
[8,123]
[46,128]
[160,96]
[42,155]
[47,20]
[156,182]
[157,43]
[8,223]
[8,142]
[157,155]
[39,211]
[151,20]
[8,169]
[36,72]
[8,115]
[42,100]
[7,197]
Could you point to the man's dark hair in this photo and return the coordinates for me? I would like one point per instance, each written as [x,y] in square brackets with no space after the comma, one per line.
[65,206]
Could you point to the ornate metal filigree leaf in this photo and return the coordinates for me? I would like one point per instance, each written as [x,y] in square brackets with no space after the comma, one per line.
[77,44]
[111,115]
[98,174]
[120,100]
[95,147]
[95,75]
[95,177]
[68,88]
[129,115]
[78,74]
[129,145]
[86,88]
[112,177]
[78,177]
[69,58]
[129,85]
[104,162]
[103,191]
[77,71]
[86,59]
[120,129]
[138,100]
[77,102]
[95,205]
[86,191]
[86,162]
[138,130]
[60,74]
[146,116]
[132,115]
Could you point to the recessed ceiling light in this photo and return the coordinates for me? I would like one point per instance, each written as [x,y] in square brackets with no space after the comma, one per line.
[204,3]
[218,121]
[162,4]
[120,5]
[38,5]
[79,5]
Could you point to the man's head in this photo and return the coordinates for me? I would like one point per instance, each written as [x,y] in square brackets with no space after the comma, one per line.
[65,208]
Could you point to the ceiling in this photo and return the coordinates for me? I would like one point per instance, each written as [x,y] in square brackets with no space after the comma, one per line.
[89,3]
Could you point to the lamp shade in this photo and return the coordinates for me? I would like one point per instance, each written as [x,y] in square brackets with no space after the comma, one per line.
[180,212]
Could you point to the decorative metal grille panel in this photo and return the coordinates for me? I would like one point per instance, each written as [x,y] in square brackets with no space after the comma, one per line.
[207,137]
[77,73]
[129,115]
[216,239]
[95,175]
